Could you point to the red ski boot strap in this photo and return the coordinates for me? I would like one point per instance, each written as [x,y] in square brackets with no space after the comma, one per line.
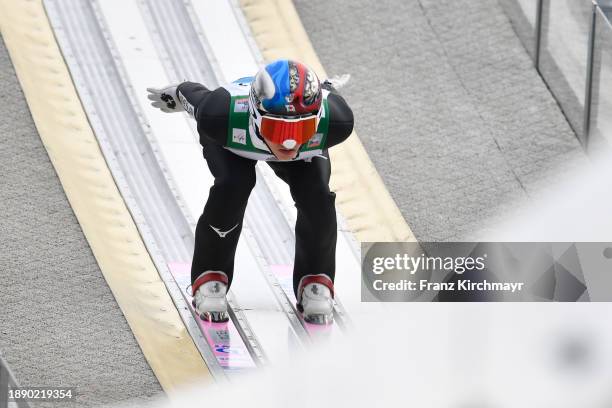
[207,277]
[321,279]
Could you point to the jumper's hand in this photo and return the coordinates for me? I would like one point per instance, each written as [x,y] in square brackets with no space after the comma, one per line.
[338,81]
[165,99]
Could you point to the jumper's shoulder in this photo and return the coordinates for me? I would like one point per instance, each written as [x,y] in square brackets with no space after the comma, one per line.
[341,119]
[215,104]
[340,111]
[213,115]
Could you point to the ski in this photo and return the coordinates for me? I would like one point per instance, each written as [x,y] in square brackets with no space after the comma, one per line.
[284,277]
[224,339]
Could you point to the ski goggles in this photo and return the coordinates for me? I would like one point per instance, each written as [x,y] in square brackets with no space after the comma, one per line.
[287,131]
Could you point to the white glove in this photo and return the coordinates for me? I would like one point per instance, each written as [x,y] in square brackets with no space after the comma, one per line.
[338,81]
[165,99]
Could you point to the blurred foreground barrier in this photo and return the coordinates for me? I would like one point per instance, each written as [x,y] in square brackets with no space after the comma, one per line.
[570,43]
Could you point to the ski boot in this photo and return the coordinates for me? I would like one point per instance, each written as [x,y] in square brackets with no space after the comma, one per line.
[209,290]
[315,299]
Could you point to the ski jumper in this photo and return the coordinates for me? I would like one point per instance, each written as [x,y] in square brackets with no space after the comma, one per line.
[231,148]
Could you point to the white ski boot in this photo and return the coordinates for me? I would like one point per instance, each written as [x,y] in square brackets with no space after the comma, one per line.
[209,290]
[315,299]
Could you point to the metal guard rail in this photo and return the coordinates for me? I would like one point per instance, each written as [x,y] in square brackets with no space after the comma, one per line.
[7,381]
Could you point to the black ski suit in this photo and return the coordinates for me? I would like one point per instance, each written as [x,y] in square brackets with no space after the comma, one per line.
[219,227]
